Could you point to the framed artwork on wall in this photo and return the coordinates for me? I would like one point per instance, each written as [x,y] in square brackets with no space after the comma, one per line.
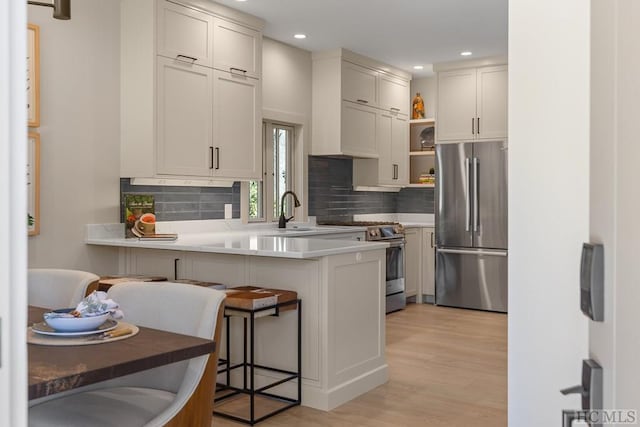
[33,184]
[33,75]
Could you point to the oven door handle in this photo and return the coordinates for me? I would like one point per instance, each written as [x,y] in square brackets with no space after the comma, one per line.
[396,243]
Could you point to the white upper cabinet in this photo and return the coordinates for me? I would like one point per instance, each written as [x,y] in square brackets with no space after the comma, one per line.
[359,84]
[347,92]
[237,49]
[359,130]
[472,104]
[185,34]
[237,122]
[184,109]
[190,91]
[393,94]
[492,102]
[456,115]
[394,149]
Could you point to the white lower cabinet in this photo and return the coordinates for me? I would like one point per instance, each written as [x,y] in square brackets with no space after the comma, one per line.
[428,274]
[420,263]
[343,315]
[152,262]
[413,249]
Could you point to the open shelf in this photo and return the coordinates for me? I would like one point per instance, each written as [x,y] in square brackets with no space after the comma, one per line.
[422,153]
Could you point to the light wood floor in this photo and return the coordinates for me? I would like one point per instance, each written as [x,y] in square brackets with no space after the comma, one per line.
[447,367]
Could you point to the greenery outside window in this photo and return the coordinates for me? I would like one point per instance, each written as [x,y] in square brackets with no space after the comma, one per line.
[264,197]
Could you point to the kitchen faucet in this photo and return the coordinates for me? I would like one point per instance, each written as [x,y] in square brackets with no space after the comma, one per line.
[282,221]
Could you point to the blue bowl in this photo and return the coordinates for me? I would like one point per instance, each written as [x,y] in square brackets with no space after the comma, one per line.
[75,324]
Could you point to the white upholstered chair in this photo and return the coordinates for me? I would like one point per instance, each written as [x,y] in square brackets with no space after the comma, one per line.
[58,288]
[157,397]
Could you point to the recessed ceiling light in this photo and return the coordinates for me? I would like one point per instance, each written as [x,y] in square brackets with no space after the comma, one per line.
[418,67]
[241,0]
[300,36]
[465,53]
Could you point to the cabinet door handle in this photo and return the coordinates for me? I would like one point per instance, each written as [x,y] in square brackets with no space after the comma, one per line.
[175,268]
[432,234]
[193,60]
[473,127]
[232,69]
[362,101]
[395,171]
[217,158]
[478,125]
[210,157]
[394,109]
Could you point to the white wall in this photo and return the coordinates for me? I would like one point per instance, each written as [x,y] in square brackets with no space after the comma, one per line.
[428,88]
[548,204]
[286,98]
[80,133]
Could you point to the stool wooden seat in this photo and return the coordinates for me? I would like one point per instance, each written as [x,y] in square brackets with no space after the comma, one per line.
[250,303]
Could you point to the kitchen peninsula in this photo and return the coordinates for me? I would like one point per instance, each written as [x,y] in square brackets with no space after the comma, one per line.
[340,283]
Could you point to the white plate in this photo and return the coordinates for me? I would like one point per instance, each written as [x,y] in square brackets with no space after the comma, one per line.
[44,329]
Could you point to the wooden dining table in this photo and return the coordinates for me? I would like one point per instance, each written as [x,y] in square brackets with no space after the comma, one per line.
[54,369]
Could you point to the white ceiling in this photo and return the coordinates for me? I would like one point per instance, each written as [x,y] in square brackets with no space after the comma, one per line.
[402,33]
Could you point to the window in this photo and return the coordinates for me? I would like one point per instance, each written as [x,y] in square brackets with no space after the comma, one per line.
[264,197]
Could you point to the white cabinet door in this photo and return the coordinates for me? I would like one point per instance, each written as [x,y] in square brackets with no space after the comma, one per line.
[359,84]
[393,148]
[413,259]
[400,148]
[394,94]
[492,102]
[152,262]
[456,105]
[359,130]
[237,122]
[184,34]
[237,48]
[229,270]
[184,110]
[386,168]
[428,262]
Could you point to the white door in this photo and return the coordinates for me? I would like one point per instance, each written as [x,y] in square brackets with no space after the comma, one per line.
[456,105]
[184,33]
[13,202]
[237,122]
[492,103]
[236,48]
[184,109]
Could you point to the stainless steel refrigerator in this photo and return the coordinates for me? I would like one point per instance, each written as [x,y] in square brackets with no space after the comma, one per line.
[471,225]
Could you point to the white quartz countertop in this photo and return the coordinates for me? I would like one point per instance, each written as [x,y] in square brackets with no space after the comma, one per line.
[293,243]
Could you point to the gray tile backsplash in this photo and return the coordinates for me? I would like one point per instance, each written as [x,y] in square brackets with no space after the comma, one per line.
[186,203]
[331,195]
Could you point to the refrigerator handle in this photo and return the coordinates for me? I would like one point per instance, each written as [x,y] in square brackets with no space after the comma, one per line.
[476,216]
[467,202]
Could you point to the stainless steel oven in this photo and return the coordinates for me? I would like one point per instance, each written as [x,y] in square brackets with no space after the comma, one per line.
[395,278]
[392,232]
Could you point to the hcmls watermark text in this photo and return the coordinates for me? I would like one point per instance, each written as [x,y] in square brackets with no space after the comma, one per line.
[608,416]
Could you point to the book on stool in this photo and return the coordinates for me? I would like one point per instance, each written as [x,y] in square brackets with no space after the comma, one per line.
[255,298]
